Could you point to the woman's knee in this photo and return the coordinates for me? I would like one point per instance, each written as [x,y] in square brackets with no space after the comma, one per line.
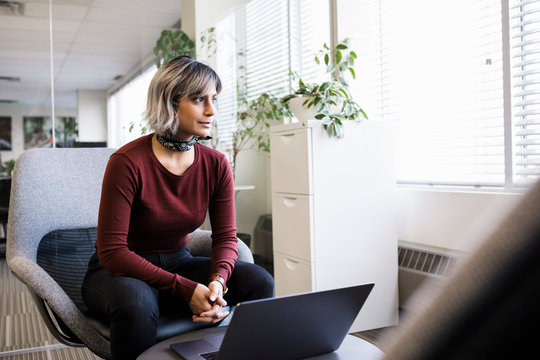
[252,280]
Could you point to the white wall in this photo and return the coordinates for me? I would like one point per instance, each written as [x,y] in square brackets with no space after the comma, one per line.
[253,168]
[92,115]
[455,220]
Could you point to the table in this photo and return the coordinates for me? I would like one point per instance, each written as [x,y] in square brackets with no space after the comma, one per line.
[238,188]
[353,347]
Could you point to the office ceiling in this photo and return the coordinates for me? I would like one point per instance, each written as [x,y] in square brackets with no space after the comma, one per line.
[95,42]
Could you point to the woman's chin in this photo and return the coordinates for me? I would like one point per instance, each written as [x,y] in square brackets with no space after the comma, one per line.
[203,134]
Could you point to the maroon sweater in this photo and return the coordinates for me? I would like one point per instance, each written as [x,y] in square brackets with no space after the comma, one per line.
[145,208]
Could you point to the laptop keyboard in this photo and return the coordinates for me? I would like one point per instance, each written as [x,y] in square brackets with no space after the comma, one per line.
[210,355]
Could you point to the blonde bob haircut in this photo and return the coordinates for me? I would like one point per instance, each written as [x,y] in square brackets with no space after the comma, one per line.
[177,79]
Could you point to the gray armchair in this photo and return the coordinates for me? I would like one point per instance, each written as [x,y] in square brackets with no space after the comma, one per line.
[51,231]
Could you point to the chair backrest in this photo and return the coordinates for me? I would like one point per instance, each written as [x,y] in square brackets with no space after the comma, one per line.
[489,307]
[64,255]
[53,189]
[55,193]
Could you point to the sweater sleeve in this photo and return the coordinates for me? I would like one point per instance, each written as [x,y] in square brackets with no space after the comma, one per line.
[120,184]
[223,222]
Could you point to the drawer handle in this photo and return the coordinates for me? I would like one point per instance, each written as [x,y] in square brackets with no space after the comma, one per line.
[289,202]
[287,138]
[291,264]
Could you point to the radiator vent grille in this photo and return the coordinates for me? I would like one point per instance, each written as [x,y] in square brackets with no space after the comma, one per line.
[427,262]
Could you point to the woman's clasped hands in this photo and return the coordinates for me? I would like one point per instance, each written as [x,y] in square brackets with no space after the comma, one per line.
[207,303]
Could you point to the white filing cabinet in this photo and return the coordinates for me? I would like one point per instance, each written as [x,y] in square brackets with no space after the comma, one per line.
[334,215]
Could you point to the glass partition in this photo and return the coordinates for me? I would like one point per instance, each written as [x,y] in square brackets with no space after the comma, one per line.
[96,47]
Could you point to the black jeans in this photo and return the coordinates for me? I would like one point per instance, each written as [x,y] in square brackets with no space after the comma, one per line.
[133,307]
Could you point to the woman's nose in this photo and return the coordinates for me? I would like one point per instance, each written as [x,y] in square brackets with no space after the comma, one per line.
[209,108]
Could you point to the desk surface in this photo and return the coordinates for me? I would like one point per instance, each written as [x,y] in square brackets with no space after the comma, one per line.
[352,348]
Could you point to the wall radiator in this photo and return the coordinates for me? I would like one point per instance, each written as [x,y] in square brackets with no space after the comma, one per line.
[418,263]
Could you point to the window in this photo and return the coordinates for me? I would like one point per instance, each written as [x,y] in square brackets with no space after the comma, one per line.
[258,44]
[525,62]
[126,107]
[254,48]
[436,70]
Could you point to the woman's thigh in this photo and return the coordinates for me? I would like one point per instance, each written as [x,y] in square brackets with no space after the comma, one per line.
[104,294]
[249,282]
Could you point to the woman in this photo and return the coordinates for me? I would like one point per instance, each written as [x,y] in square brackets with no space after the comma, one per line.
[156,190]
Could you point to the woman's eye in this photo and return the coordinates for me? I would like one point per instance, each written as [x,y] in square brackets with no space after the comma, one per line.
[214,100]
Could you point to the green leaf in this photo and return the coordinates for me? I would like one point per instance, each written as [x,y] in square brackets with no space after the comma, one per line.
[341,46]
[338,57]
[363,113]
[326,59]
[330,130]
[352,73]
[348,110]
[324,85]
[338,130]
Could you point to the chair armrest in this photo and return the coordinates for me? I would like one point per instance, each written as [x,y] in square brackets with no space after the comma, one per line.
[200,244]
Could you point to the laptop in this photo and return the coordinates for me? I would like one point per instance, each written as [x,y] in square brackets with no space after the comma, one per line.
[285,327]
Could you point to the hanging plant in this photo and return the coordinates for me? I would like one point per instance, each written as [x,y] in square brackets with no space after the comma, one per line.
[173,43]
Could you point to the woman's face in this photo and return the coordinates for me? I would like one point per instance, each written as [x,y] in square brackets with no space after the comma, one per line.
[196,114]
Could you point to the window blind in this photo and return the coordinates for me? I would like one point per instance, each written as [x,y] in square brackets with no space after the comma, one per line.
[226,66]
[258,44]
[309,29]
[525,62]
[266,47]
[441,87]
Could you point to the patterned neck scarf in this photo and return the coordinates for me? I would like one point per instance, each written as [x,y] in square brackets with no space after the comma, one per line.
[173,143]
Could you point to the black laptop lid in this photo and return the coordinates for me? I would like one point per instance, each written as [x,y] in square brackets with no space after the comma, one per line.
[293,327]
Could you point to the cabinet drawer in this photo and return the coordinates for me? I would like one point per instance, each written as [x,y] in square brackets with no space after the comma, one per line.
[291,224]
[290,161]
[292,275]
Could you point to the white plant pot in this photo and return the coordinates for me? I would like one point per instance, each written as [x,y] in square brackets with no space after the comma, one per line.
[300,112]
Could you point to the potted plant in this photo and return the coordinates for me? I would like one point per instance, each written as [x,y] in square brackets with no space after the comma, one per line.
[6,168]
[173,43]
[329,101]
[253,120]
